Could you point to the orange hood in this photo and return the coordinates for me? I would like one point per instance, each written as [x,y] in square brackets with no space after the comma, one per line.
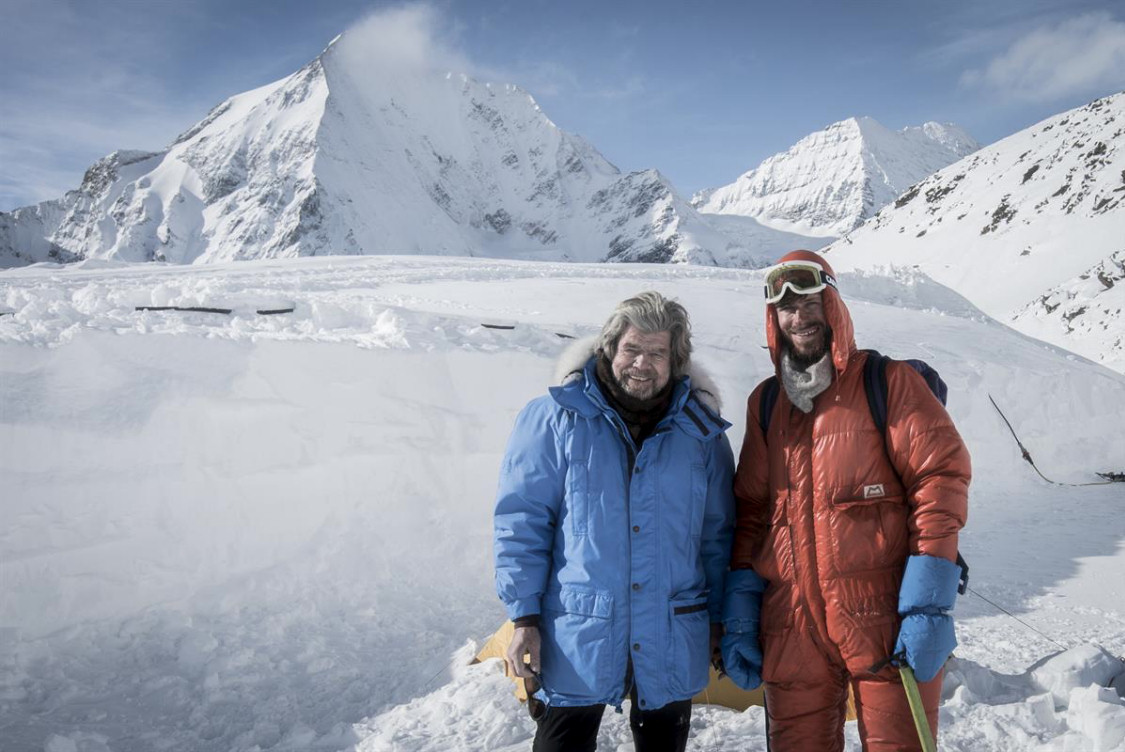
[835,313]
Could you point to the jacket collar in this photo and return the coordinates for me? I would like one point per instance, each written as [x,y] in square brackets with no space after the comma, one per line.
[692,410]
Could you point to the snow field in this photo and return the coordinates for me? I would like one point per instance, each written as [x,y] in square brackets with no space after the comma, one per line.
[274,532]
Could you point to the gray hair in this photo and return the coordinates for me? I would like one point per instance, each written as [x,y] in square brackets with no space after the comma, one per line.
[650,312]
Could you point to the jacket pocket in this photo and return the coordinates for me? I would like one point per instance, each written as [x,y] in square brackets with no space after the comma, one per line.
[689,656]
[578,496]
[576,648]
[868,533]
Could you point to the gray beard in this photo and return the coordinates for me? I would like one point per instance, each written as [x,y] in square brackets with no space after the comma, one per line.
[804,383]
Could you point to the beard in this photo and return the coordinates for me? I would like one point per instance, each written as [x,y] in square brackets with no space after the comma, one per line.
[802,360]
[641,390]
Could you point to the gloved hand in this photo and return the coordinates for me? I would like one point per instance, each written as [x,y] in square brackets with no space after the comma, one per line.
[742,608]
[926,637]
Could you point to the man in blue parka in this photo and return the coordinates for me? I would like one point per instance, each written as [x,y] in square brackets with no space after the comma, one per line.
[613,526]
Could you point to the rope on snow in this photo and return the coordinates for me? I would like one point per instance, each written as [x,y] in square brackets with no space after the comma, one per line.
[1110,477]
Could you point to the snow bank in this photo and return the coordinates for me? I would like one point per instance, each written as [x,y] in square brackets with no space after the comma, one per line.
[982,709]
[1082,666]
[1099,715]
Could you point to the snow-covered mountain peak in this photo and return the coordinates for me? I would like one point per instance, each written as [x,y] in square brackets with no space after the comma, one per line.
[950,134]
[830,181]
[369,149]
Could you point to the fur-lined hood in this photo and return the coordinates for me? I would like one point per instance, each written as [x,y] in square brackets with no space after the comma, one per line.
[573,359]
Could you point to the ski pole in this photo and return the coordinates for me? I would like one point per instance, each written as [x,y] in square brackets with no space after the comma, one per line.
[914,697]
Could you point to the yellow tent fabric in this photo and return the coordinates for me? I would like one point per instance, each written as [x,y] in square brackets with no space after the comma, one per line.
[719,691]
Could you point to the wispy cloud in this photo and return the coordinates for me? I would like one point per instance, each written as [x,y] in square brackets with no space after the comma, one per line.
[403,39]
[78,84]
[1083,55]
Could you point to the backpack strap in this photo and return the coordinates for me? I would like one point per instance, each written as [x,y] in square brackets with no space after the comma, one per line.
[875,384]
[770,390]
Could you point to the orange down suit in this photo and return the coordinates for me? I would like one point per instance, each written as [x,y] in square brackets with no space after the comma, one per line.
[828,513]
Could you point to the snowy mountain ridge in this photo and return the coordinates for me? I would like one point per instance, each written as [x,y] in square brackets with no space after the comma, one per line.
[829,182]
[341,158]
[1030,229]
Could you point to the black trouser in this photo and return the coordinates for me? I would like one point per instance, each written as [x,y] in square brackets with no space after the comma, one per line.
[576,729]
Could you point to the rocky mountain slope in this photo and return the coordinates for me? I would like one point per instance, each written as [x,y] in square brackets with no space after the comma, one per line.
[831,181]
[345,157]
[1030,229]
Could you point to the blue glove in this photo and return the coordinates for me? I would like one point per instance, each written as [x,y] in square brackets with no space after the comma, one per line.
[742,609]
[926,637]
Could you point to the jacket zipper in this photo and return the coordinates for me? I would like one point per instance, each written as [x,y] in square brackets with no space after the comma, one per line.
[790,515]
[631,461]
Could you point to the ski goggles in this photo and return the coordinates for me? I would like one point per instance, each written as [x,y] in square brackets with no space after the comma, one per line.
[801,277]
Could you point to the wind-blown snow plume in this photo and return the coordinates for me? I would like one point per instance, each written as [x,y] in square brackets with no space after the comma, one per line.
[405,40]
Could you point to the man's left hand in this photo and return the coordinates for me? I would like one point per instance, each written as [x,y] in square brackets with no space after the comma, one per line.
[525,642]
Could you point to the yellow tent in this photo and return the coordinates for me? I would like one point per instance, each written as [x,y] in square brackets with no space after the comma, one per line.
[719,691]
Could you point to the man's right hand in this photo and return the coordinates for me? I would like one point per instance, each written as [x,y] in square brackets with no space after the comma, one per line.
[742,659]
[742,610]
[525,641]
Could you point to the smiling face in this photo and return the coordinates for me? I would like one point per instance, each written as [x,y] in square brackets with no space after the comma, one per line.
[642,365]
[803,327]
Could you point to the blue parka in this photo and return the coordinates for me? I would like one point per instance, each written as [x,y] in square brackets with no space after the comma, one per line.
[621,551]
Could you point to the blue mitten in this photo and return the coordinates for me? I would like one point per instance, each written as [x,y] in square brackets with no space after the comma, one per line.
[929,588]
[742,609]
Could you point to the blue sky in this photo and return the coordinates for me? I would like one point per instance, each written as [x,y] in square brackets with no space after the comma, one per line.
[702,91]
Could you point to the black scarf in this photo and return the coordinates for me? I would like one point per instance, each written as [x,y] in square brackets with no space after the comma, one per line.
[640,415]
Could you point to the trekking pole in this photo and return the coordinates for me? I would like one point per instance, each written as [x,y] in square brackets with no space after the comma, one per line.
[917,710]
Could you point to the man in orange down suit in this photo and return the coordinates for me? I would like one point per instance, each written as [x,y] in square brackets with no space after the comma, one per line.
[846,539]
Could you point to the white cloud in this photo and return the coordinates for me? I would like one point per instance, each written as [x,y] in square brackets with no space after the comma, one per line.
[1083,55]
[402,40]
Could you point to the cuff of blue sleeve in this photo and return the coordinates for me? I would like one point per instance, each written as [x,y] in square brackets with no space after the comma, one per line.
[741,626]
[929,582]
[522,607]
[745,581]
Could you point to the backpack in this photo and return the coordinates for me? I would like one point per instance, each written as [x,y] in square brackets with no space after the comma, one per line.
[875,385]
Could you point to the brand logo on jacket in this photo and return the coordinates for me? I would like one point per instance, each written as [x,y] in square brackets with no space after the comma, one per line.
[873,492]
